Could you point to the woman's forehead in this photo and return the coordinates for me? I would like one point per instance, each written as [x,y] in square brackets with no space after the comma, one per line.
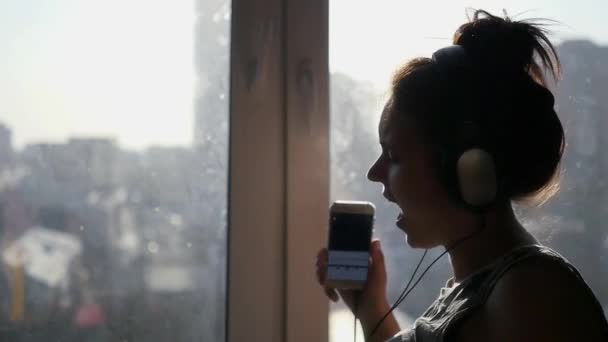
[386,119]
[395,126]
[389,121]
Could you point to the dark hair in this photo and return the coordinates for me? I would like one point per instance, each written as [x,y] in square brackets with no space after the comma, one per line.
[515,107]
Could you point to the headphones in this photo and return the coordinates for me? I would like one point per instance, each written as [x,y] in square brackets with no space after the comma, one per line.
[467,162]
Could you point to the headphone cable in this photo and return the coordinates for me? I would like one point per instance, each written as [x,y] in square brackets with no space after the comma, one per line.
[413,274]
[397,302]
[356,296]
[407,292]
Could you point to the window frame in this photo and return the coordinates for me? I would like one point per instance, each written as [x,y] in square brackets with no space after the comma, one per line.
[278,187]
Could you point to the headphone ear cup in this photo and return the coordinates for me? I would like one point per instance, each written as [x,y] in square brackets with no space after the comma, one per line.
[477,177]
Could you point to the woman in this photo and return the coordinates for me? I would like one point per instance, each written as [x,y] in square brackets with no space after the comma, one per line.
[483,100]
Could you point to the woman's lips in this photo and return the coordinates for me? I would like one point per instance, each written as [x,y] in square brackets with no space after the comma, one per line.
[400,220]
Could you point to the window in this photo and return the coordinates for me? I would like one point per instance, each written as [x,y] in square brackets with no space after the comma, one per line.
[114,117]
[368,41]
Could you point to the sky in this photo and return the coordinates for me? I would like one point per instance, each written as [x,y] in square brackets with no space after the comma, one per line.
[124,68]
[117,68]
[368,42]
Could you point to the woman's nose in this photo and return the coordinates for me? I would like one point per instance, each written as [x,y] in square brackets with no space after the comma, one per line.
[373,173]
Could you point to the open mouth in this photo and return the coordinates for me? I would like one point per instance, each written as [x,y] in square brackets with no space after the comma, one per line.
[400,219]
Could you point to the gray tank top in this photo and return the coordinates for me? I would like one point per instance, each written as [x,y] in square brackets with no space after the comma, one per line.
[437,322]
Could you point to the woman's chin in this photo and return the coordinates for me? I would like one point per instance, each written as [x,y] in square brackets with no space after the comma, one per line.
[415,242]
[412,242]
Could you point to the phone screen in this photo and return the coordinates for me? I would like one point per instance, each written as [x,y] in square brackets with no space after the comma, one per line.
[348,252]
[350,232]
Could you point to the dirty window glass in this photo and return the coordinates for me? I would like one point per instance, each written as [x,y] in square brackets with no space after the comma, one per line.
[113,119]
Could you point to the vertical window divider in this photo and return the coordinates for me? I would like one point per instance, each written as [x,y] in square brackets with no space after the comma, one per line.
[278,191]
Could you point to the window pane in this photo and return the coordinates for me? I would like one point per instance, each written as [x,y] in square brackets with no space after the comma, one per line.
[368,41]
[113,119]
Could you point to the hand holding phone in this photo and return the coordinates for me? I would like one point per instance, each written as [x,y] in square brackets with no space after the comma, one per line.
[371,282]
[372,304]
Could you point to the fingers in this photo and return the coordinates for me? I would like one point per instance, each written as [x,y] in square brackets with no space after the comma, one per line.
[377,267]
[332,294]
[376,252]
[322,255]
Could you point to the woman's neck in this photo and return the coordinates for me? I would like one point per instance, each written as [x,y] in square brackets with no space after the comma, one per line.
[501,233]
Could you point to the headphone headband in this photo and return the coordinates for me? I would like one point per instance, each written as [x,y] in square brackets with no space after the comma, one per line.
[451,56]
[468,168]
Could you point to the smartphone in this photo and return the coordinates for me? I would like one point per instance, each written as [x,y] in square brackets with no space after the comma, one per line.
[350,233]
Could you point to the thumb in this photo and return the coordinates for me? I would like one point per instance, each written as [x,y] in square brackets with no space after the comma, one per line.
[376,254]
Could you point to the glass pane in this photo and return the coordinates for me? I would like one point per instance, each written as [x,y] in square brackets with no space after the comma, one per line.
[114,117]
[368,41]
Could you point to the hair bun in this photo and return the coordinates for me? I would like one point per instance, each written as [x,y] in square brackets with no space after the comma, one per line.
[508,47]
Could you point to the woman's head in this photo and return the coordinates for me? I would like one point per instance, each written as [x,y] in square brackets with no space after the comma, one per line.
[504,91]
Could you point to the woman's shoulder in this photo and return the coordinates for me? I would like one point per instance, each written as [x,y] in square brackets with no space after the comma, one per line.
[540,277]
[541,296]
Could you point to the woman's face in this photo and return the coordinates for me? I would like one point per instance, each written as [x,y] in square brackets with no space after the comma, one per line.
[406,170]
